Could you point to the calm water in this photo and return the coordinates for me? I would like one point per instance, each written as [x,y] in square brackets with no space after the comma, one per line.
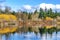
[30,36]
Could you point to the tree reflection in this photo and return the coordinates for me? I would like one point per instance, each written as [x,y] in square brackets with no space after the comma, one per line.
[0,37]
[43,31]
[7,36]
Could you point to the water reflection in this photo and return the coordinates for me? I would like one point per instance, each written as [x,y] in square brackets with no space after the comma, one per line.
[30,36]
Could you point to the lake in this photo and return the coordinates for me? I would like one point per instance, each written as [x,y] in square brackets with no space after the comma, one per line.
[30,36]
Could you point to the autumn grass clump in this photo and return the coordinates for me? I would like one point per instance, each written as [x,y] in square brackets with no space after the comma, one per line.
[7,18]
[7,30]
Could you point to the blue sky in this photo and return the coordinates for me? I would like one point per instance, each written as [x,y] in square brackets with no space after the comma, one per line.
[30,4]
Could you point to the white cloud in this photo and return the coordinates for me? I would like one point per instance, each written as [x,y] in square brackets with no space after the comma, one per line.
[48,6]
[57,6]
[27,7]
[2,5]
[42,5]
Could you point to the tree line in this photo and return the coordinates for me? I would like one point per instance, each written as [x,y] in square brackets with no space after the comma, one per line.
[43,13]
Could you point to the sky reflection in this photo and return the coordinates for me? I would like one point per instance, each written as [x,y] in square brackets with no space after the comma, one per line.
[32,36]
